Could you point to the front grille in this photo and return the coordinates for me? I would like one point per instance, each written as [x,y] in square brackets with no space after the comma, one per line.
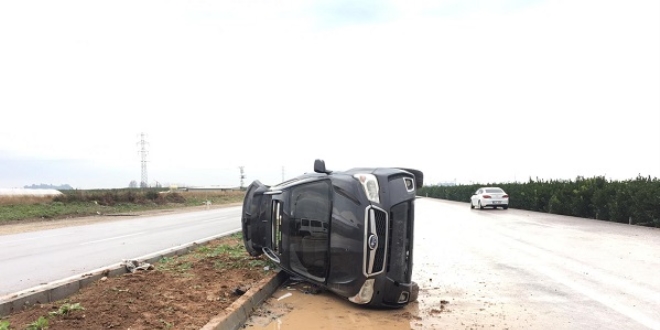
[376,224]
[399,267]
[381,229]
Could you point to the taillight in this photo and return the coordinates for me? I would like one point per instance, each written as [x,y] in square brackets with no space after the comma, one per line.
[486,196]
[505,196]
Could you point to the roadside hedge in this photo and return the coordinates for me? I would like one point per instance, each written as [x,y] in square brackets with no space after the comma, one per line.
[111,197]
[595,198]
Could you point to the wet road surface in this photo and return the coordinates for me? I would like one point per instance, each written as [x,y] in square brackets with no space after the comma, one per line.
[502,269]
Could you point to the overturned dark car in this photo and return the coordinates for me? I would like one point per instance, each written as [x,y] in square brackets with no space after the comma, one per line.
[350,232]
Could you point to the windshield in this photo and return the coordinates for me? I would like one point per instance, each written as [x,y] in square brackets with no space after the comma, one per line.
[495,191]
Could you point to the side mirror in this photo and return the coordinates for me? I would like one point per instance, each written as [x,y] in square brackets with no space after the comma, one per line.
[419,176]
[319,167]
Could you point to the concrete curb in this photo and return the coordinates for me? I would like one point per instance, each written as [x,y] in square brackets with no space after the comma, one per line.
[239,311]
[61,289]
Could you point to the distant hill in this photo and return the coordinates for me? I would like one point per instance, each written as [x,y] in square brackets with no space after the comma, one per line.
[49,186]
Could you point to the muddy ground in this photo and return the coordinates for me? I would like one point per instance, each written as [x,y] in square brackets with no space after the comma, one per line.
[178,293]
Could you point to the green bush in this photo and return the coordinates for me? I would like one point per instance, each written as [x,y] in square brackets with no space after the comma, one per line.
[76,203]
[595,198]
[110,197]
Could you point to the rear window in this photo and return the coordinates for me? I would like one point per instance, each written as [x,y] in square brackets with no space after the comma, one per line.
[495,191]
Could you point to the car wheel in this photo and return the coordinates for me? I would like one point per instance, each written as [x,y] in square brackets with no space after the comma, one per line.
[471,205]
[251,250]
[505,207]
[414,292]
[480,206]
[248,242]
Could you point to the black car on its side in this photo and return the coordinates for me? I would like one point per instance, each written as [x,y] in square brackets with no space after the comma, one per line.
[350,232]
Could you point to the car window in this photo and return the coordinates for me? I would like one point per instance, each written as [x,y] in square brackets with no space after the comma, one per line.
[276,223]
[310,213]
[495,191]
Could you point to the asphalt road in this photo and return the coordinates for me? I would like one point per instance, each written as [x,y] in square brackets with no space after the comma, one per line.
[500,269]
[507,269]
[535,270]
[34,258]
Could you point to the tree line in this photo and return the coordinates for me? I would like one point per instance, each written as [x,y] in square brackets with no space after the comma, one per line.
[636,200]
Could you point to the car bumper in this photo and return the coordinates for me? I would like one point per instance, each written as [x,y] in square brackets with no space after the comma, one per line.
[389,293]
[496,203]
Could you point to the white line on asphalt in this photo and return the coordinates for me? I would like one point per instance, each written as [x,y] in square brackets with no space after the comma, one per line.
[31,238]
[580,285]
[604,299]
[111,238]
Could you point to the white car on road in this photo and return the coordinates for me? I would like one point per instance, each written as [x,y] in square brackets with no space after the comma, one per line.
[489,197]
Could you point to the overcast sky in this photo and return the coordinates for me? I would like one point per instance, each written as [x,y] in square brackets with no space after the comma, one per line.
[472,91]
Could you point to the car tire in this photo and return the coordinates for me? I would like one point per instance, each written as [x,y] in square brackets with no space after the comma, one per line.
[248,242]
[505,207]
[471,205]
[414,292]
[481,207]
[251,250]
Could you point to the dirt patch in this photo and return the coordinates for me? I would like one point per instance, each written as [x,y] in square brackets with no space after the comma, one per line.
[178,293]
[27,225]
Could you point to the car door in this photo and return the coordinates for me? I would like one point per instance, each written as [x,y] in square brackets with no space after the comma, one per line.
[475,197]
[308,241]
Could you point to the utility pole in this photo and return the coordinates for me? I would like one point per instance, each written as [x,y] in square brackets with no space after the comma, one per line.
[242,168]
[144,181]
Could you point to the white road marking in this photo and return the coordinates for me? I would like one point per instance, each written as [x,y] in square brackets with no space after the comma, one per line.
[31,238]
[111,238]
[604,299]
[546,262]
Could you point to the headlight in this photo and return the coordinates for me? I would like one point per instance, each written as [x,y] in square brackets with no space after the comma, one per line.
[365,294]
[370,185]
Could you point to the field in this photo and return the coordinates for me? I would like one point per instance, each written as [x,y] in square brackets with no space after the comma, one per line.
[181,292]
[122,202]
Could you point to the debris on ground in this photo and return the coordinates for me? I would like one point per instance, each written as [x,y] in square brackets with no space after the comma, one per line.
[182,292]
[135,265]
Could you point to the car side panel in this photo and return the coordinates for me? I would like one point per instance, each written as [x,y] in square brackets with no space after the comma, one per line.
[346,247]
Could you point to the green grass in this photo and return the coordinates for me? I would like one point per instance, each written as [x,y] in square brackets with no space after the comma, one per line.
[67,308]
[45,211]
[42,322]
[229,255]
[232,251]
[106,202]
[39,324]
